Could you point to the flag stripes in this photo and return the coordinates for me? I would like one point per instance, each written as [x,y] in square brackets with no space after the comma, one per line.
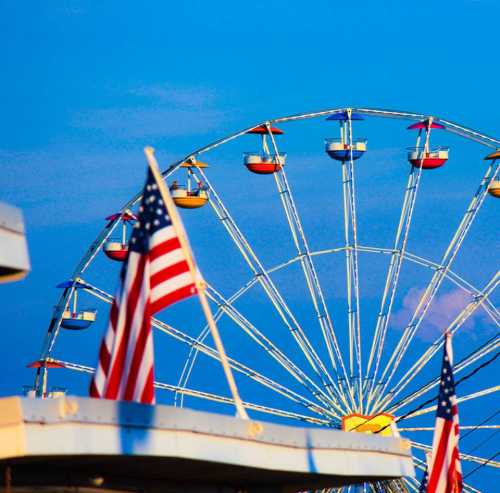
[445,472]
[155,275]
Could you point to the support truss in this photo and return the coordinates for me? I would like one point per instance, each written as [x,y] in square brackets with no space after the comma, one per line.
[439,275]
[392,278]
[235,365]
[309,271]
[269,287]
[463,457]
[457,323]
[210,397]
[481,352]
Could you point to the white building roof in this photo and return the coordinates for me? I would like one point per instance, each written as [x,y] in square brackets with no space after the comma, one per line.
[73,441]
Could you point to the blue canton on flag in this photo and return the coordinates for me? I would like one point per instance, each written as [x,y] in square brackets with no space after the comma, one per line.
[155,275]
[446,389]
[153,216]
[445,472]
[425,480]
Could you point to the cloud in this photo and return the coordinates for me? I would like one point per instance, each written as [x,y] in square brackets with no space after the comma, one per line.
[131,122]
[443,310]
[71,185]
[157,110]
[190,97]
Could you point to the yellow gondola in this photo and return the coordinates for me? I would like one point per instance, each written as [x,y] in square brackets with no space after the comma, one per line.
[189,200]
[492,156]
[187,197]
[494,189]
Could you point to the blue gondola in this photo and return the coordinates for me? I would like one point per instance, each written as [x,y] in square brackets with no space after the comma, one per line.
[72,318]
[341,151]
[345,148]
[79,320]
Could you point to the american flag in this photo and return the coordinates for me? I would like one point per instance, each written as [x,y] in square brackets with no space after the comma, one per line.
[155,275]
[425,480]
[445,471]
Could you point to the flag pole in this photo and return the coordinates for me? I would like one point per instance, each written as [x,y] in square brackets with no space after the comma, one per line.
[200,284]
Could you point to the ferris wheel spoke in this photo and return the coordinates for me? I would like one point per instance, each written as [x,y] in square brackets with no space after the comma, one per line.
[419,464]
[492,312]
[355,264]
[462,317]
[461,283]
[392,278]
[463,456]
[83,264]
[308,267]
[469,489]
[451,275]
[267,345]
[269,287]
[245,370]
[462,427]
[209,396]
[475,395]
[397,486]
[193,351]
[411,484]
[248,405]
[478,353]
[235,365]
[453,127]
[188,366]
[436,280]
[351,261]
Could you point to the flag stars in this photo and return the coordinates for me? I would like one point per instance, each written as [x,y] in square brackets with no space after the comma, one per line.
[443,475]
[152,216]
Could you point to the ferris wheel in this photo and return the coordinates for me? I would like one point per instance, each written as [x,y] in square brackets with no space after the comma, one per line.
[317,317]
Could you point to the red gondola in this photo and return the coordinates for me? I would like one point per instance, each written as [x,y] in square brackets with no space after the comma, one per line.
[264,162]
[423,156]
[117,249]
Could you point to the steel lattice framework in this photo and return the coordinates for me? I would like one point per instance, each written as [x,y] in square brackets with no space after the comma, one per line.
[349,381]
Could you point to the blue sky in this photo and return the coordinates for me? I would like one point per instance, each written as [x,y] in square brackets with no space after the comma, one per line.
[86,85]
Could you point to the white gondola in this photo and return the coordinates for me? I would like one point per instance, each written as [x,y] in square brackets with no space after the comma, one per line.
[431,159]
[341,151]
[78,320]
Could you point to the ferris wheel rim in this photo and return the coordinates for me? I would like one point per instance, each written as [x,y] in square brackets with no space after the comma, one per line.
[464,132]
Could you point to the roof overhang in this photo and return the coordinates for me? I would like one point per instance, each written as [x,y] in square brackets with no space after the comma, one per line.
[126,446]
